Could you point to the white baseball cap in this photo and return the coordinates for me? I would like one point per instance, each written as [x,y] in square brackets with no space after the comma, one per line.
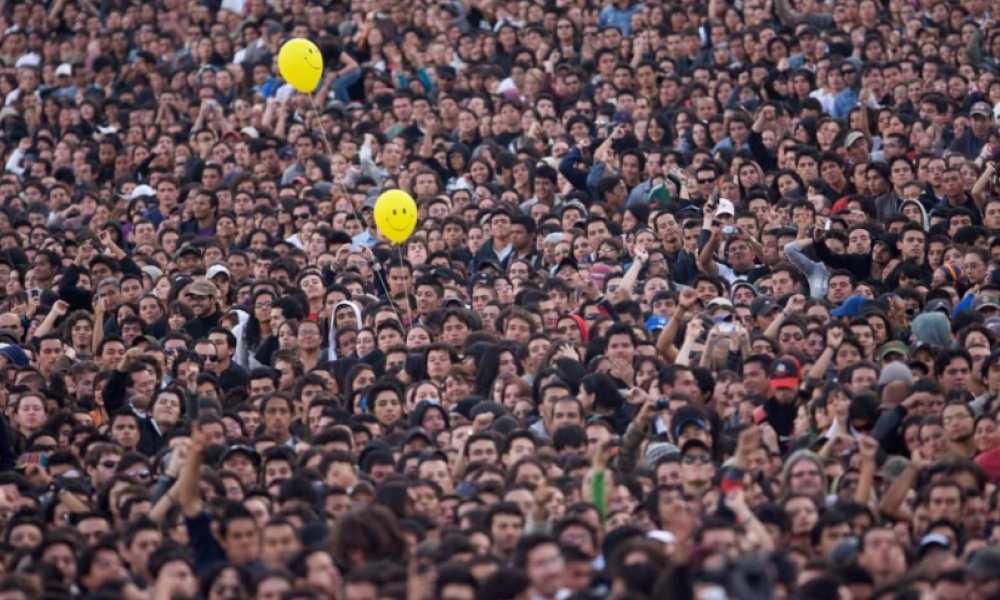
[218,270]
[725,208]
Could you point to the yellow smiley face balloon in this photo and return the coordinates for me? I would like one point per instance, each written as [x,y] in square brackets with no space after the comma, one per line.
[396,215]
[301,64]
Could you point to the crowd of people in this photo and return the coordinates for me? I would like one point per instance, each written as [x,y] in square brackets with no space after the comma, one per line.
[703,301]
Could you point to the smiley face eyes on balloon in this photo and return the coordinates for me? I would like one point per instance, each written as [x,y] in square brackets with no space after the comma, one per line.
[295,62]
[392,215]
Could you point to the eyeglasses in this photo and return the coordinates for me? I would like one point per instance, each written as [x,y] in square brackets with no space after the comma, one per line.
[141,473]
[802,474]
[208,358]
[955,418]
[706,181]
[301,216]
[691,459]
[308,333]
[263,306]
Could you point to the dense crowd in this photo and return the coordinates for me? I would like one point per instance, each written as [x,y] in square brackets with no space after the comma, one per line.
[703,301]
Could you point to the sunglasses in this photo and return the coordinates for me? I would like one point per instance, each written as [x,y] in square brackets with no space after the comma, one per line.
[109,464]
[691,459]
[208,358]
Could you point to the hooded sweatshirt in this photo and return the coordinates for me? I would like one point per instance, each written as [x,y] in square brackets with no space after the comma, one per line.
[333,330]
[923,211]
[933,329]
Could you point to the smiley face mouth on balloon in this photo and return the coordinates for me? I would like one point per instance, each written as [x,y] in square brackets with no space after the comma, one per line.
[306,60]
[394,227]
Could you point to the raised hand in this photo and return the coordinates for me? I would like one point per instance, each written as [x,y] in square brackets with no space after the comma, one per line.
[796,303]
[868,447]
[687,298]
[834,337]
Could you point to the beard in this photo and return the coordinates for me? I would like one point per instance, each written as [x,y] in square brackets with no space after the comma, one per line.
[963,438]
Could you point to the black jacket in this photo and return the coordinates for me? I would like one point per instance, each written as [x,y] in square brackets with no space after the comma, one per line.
[116,398]
[199,327]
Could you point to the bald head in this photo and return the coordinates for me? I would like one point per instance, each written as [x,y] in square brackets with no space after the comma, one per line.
[13,322]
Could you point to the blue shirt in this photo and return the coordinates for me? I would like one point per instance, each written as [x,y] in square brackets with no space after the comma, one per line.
[844,102]
[612,16]
[366,238]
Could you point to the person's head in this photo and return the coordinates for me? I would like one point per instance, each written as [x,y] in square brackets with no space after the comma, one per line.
[803,474]
[101,564]
[505,523]
[171,564]
[958,419]
[278,542]
[539,556]
[953,368]
[829,530]
[277,411]
[239,534]
[620,342]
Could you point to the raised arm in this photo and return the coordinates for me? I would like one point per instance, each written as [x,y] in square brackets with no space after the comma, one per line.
[188,491]
[892,502]
[706,257]
[982,185]
[834,337]
[694,329]
[48,325]
[632,275]
[868,448]
[665,343]
[99,316]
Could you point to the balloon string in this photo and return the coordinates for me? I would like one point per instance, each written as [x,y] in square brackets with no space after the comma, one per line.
[406,294]
[376,268]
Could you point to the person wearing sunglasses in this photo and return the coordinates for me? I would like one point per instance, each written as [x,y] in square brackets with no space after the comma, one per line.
[792,335]
[697,468]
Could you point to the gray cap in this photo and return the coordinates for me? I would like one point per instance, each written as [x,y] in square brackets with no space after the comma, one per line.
[984,564]
[895,371]
[985,301]
[853,138]
[153,272]
[657,450]
[938,305]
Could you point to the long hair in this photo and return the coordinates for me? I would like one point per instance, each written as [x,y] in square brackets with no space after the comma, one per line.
[368,536]
[607,398]
[251,331]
